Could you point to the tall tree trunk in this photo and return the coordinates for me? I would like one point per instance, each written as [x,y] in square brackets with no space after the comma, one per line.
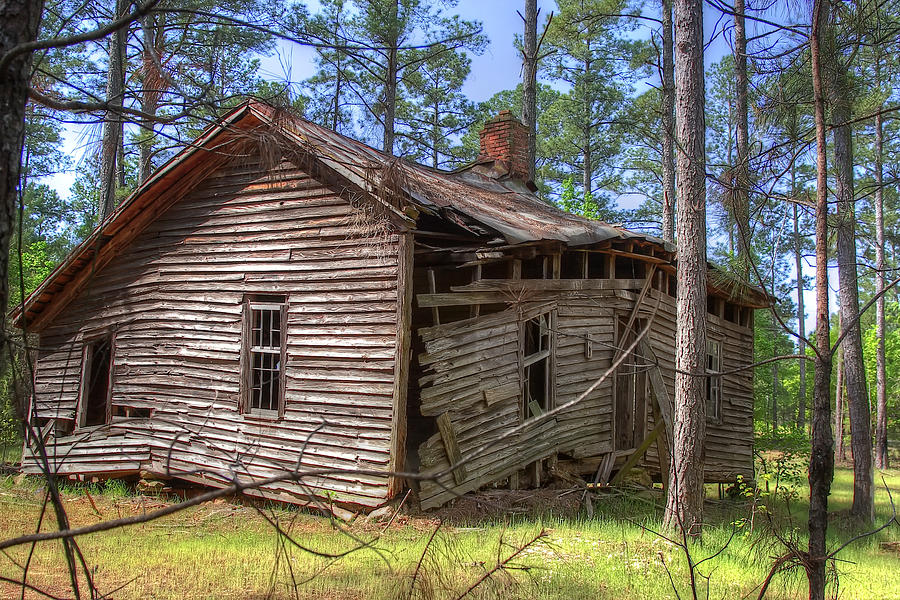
[821,459]
[112,121]
[848,297]
[20,22]
[881,447]
[435,136]
[840,453]
[775,383]
[668,124]
[152,32]
[529,81]
[684,505]
[801,311]
[390,100]
[742,174]
[339,76]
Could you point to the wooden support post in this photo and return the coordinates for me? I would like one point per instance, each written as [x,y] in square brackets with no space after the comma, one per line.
[432,289]
[662,412]
[475,310]
[402,357]
[448,435]
[662,447]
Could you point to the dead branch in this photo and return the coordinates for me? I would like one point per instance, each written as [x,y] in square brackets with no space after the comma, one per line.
[503,564]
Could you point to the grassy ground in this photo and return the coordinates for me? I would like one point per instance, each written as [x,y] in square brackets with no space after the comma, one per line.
[226,550]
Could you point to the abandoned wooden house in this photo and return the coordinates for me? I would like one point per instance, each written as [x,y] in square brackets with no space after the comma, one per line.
[279,298]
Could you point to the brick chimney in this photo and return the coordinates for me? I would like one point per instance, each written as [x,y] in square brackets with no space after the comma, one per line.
[505,139]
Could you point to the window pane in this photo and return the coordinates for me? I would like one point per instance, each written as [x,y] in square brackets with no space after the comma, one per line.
[264,354]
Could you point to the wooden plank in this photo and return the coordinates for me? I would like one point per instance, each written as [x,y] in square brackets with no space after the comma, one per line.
[658,387]
[502,392]
[448,435]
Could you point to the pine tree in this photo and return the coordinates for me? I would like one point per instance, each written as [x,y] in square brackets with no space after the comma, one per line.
[684,504]
[434,112]
[594,59]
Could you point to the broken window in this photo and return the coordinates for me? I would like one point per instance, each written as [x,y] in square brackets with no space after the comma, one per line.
[96,385]
[263,382]
[537,373]
[713,382]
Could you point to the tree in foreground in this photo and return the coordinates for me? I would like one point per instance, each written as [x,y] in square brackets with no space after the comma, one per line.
[821,460]
[684,505]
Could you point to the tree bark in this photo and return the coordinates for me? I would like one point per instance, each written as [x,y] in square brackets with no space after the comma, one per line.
[21,20]
[821,460]
[684,505]
[668,124]
[741,195]
[390,101]
[881,440]
[112,122]
[529,81]
[153,83]
[801,311]
[775,382]
[840,453]
[848,298]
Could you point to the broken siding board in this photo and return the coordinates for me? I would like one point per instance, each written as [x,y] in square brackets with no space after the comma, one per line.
[448,435]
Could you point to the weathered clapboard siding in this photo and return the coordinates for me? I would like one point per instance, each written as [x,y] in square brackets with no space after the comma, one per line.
[729,441]
[465,360]
[173,298]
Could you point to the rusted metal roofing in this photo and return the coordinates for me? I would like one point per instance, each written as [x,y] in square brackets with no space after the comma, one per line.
[505,206]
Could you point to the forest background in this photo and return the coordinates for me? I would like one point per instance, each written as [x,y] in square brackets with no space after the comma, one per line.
[599,132]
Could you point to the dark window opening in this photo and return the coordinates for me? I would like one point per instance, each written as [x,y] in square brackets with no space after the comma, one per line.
[731,312]
[264,384]
[628,268]
[598,265]
[572,266]
[673,286]
[712,305]
[534,268]
[95,389]
[495,270]
[537,385]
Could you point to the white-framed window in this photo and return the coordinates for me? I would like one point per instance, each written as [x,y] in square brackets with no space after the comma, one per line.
[264,354]
[537,365]
[713,382]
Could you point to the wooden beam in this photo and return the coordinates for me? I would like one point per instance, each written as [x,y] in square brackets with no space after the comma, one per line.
[448,435]
[432,288]
[662,448]
[397,459]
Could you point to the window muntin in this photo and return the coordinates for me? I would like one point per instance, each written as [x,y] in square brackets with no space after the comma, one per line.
[264,355]
[713,382]
[537,372]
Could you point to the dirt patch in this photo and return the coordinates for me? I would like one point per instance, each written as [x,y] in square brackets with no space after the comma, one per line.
[497,505]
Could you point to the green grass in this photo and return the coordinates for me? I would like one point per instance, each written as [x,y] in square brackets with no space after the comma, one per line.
[224,550]
[10,453]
